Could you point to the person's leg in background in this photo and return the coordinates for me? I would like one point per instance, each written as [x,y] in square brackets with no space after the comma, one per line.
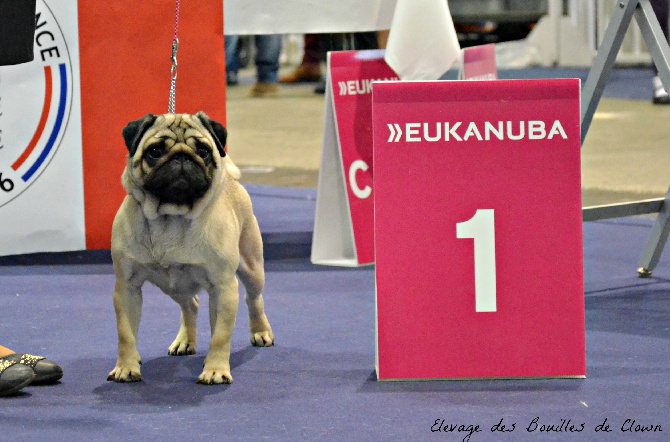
[268,49]
[310,67]
[328,43]
[365,40]
[232,59]
[661,9]
[348,42]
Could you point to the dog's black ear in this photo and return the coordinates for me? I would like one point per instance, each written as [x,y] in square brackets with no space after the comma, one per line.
[133,132]
[219,133]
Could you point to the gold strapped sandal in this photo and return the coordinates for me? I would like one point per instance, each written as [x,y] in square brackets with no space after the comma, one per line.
[45,370]
[14,376]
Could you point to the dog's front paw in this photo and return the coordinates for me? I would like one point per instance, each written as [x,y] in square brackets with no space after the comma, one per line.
[125,374]
[263,339]
[181,347]
[261,332]
[216,376]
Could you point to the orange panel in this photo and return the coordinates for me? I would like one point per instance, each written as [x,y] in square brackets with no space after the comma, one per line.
[125,50]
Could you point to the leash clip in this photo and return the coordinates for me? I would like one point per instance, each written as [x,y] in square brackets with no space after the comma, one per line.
[175,47]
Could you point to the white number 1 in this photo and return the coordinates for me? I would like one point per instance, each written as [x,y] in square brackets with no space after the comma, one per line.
[481,228]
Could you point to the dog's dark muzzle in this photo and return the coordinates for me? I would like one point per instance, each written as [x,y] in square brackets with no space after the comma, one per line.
[180,180]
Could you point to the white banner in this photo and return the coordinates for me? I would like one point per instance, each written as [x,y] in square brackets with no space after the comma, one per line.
[249,17]
[41,182]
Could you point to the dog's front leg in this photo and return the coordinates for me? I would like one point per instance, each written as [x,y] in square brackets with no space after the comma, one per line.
[128,307]
[185,342]
[223,303]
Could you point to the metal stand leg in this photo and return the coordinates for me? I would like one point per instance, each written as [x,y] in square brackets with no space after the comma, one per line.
[657,239]
[591,93]
[602,65]
[660,53]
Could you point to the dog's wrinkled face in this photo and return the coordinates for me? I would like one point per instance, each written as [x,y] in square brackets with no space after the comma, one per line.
[174,157]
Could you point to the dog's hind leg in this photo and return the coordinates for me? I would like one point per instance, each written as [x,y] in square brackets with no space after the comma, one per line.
[252,275]
[185,342]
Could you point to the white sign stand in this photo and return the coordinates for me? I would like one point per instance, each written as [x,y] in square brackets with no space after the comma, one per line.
[333,237]
[344,220]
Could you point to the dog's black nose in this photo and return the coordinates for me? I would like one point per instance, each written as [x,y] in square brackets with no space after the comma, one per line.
[180,157]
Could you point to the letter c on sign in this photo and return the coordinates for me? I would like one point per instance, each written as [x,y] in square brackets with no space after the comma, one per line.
[355,167]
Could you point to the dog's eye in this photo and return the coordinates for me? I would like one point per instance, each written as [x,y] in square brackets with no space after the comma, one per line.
[203,152]
[155,152]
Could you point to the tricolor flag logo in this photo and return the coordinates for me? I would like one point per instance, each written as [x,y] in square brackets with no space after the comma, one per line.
[35,102]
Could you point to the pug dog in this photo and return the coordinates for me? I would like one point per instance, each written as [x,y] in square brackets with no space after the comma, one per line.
[186,226]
